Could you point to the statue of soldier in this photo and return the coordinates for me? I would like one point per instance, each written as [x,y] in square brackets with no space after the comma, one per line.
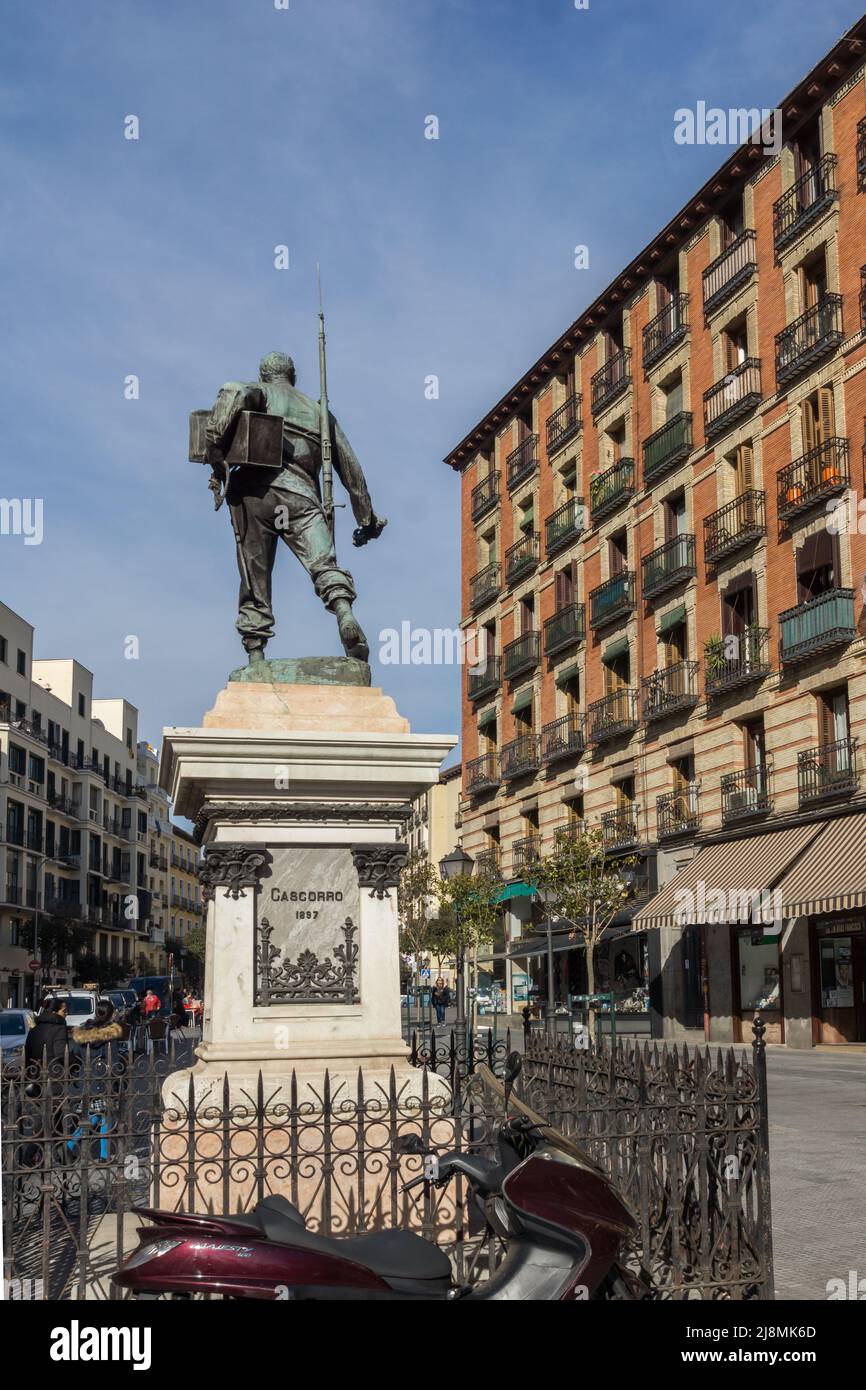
[287,503]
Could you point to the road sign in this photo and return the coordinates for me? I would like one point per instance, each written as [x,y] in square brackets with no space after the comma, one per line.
[34,965]
[425,974]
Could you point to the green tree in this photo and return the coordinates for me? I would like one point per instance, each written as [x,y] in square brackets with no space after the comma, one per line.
[60,937]
[468,916]
[416,895]
[583,887]
[99,970]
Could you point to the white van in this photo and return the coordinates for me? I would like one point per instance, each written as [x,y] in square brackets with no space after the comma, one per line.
[80,1004]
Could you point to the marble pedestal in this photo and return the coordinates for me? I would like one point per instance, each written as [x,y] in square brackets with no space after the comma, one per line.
[299,793]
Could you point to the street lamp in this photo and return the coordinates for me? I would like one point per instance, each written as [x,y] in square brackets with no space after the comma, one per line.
[546,897]
[453,865]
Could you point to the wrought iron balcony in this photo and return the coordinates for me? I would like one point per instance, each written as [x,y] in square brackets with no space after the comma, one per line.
[482,774]
[562,738]
[520,757]
[522,557]
[746,794]
[861,155]
[812,336]
[565,629]
[565,524]
[485,495]
[670,564]
[484,678]
[734,661]
[570,832]
[669,689]
[730,271]
[612,599]
[521,654]
[610,489]
[564,423]
[484,586]
[613,716]
[732,398]
[487,863]
[619,830]
[677,812]
[817,626]
[827,771]
[804,202]
[522,461]
[667,447]
[734,525]
[611,380]
[817,475]
[667,329]
[525,854]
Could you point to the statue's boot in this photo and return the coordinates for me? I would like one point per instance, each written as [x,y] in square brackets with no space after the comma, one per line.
[256,654]
[351,633]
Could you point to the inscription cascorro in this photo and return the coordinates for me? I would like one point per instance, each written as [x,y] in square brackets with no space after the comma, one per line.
[307,937]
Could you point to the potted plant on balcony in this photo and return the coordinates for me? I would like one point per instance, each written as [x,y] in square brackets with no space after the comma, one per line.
[714,657]
[830,474]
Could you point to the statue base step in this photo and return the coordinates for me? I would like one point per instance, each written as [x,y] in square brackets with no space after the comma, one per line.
[306,670]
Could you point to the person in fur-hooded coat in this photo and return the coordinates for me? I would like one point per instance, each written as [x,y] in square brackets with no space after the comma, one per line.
[95,1044]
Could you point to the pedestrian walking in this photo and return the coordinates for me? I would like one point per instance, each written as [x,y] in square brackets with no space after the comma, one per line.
[527,1012]
[440,998]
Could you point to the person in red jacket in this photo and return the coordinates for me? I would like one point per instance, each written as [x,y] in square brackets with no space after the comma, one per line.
[151,1004]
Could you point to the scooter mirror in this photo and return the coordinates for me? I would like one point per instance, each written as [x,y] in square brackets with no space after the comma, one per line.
[410,1144]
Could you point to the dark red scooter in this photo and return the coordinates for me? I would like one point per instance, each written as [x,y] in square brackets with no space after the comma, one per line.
[563,1223]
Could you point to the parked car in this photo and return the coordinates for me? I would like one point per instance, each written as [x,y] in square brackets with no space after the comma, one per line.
[80,1004]
[15,1024]
[123,999]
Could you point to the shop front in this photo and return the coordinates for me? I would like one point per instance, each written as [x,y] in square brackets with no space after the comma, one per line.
[839,975]
[757,984]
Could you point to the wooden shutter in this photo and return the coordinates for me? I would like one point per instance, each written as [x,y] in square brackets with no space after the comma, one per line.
[563,588]
[826,414]
[810,426]
[745,469]
[825,720]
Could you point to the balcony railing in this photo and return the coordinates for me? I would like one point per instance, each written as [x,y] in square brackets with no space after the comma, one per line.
[482,774]
[521,654]
[612,599]
[861,155]
[485,495]
[522,461]
[670,564]
[564,423]
[619,830]
[667,447]
[565,629]
[677,812]
[522,557]
[570,831]
[562,738]
[610,489]
[520,757]
[565,524]
[734,525]
[808,480]
[484,586]
[611,380]
[525,854]
[485,678]
[487,863]
[730,271]
[613,716]
[736,660]
[804,202]
[809,338]
[732,398]
[667,329]
[746,794]
[669,689]
[827,771]
[815,626]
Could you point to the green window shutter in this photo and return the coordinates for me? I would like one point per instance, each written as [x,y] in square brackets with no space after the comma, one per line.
[672,619]
[522,700]
[616,649]
[567,673]
[487,716]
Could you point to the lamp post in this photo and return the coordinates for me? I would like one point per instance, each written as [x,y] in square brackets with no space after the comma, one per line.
[454,865]
[550,1011]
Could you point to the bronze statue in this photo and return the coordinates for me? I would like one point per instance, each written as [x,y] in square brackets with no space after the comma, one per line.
[281,496]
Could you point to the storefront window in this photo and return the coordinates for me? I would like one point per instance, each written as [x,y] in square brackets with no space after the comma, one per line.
[759,973]
[837,979]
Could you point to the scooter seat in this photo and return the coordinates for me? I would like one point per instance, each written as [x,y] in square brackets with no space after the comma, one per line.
[390,1254]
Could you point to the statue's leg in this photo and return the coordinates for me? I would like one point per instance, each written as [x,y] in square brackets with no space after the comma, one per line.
[256,536]
[309,537]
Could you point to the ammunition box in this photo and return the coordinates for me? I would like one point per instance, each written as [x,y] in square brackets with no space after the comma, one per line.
[256,440]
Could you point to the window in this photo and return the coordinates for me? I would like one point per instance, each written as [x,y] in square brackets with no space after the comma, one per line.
[812,276]
[526,517]
[527,614]
[17,760]
[739,606]
[735,345]
[833,725]
[672,395]
[565,586]
[675,515]
[81,706]
[732,221]
[743,466]
[22,662]
[754,745]
[617,553]
[817,563]
[614,444]
[818,419]
[4,651]
[616,673]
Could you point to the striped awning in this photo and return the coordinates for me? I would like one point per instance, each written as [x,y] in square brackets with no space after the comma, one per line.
[722,880]
[831,876]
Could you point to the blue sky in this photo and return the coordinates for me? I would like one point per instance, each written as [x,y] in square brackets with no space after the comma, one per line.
[306,127]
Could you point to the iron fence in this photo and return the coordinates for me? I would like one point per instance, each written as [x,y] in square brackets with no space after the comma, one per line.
[682,1134]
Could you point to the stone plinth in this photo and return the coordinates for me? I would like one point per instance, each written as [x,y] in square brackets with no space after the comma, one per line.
[299,793]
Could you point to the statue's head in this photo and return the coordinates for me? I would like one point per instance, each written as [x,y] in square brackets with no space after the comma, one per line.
[277,366]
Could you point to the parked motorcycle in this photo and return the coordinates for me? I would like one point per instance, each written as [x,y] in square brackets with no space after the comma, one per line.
[563,1224]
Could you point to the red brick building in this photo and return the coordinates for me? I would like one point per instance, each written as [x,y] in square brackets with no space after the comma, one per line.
[661,540]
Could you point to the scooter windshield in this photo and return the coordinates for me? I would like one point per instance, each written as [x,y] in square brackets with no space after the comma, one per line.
[485,1079]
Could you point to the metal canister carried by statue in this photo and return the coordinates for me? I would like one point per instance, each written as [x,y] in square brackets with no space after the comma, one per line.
[256,439]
